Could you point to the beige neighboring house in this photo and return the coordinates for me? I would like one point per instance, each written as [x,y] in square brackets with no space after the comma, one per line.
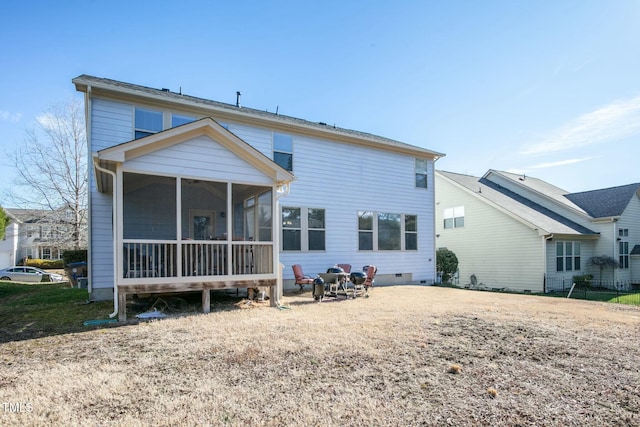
[520,233]
[35,233]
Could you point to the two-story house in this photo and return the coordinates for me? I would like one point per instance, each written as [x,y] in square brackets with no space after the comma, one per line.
[520,233]
[37,233]
[193,194]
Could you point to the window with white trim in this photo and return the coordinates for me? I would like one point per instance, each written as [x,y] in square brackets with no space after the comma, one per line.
[453,217]
[303,229]
[568,256]
[382,231]
[147,122]
[283,150]
[422,167]
[177,120]
[623,253]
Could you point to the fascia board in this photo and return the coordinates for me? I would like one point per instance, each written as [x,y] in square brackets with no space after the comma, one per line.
[534,227]
[529,189]
[249,118]
[207,126]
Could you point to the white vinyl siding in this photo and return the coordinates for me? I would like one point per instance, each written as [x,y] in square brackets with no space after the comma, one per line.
[111,124]
[370,180]
[199,157]
[500,251]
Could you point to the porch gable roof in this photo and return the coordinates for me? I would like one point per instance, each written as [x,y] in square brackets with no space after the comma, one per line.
[207,126]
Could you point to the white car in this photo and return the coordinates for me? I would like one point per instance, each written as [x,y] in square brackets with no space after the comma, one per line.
[27,274]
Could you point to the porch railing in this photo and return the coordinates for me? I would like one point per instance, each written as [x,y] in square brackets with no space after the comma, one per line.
[145,259]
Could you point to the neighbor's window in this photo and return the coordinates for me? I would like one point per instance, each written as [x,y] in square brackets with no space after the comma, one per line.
[623,249]
[421,173]
[453,217]
[283,150]
[147,122]
[623,232]
[177,120]
[567,256]
[303,229]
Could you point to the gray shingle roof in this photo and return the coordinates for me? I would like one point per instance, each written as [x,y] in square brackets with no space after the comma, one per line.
[607,202]
[180,98]
[533,213]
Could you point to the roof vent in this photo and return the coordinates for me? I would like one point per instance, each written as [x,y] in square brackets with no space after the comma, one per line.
[322,123]
[238,99]
[164,89]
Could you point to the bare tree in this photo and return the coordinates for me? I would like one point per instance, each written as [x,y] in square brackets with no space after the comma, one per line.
[51,172]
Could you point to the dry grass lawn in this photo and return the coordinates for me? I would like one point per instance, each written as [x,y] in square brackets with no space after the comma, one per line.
[405,356]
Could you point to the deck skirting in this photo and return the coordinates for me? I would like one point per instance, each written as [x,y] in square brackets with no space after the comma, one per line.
[205,287]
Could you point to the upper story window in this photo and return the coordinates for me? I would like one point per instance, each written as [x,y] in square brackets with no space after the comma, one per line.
[623,232]
[453,217]
[147,122]
[177,120]
[283,150]
[421,173]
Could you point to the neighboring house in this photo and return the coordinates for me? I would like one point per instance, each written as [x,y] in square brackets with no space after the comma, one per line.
[520,233]
[34,233]
[209,195]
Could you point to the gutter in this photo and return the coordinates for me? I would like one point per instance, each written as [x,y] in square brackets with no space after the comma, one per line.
[115,234]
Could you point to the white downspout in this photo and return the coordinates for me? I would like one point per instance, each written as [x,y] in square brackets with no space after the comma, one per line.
[281,190]
[115,235]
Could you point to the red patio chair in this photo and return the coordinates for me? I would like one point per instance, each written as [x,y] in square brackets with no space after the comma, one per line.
[371,273]
[301,278]
[345,267]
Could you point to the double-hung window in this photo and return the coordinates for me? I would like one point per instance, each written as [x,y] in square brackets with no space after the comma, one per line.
[283,150]
[147,122]
[568,256]
[453,217]
[303,229]
[421,173]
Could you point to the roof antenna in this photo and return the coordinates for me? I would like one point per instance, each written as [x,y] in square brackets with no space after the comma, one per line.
[238,99]
[277,107]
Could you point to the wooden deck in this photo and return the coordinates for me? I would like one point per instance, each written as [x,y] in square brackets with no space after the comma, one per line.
[205,287]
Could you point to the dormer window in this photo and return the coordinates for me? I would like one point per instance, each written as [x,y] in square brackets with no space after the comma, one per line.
[147,122]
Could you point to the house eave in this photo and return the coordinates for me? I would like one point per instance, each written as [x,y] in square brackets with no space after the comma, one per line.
[226,112]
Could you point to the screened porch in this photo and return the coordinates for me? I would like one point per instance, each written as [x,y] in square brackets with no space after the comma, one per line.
[183,230]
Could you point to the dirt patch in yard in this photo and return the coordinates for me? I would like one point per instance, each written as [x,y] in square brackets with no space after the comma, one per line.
[405,356]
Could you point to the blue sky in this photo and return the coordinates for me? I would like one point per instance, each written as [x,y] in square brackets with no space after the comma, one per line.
[546,88]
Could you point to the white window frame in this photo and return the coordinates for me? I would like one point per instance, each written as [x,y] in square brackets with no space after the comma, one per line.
[304,229]
[280,150]
[375,229]
[422,171]
[572,257]
[142,129]
[453,217]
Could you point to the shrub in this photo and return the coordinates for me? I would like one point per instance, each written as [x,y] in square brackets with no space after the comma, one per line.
[79,255]
[45,264]
[583,281]
[446,263]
